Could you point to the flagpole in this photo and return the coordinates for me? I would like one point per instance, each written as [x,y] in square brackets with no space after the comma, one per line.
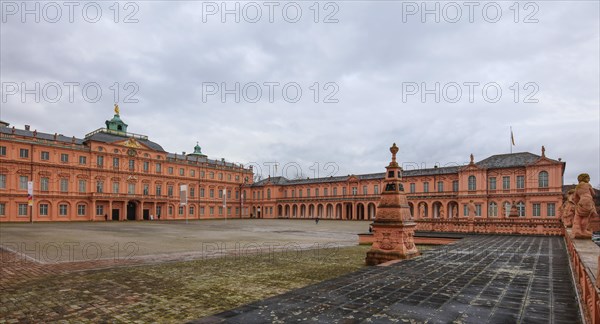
[510,139]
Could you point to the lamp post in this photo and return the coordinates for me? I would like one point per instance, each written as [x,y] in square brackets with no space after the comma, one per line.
[242,196]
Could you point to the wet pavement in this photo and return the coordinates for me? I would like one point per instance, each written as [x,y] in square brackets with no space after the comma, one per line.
[479,279]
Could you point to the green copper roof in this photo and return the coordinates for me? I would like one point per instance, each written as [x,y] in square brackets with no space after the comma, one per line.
[197,150]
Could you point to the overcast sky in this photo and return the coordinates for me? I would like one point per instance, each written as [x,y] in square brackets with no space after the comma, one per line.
[375,65]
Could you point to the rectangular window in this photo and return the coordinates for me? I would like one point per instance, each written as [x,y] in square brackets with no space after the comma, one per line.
[100,161]
[316,192]
[202,174]
[180,210]
[220,210]
[201,192]
[425,186]
[82,160]
[82,186]
[344,191]
[23,182]
[22,210]
[228,194]
[455,186]
[158,168]
[212,193]
[24,153]
[170,170]
[211,175]
[325,191]
[537,209]
[64,185]
[191,210]
[440,186]
[131,188]
[551,209]
[212,210]
[43,209]
[299,193]
[116,163]
[62,210]
[146,189]
[2,209]
[308,192]
[80,210]
[64,158]
[354,191]
[146,166]
[202,211]
[193,173]
[412,187]
[170,191]
[477,209]
[45,156]
[100,210]
[100,187]
[2,181]
[228,210]
[158,190]
[465,210]
[131,165]
[115,187]
[181,171]
[334,192]
[2,150]
[520,182]
[505,183]
[220,176]
[376,189]
[170,210]
[192,192]
[44,184]
[493,183]
[365,190]
[220,193]
[493,210]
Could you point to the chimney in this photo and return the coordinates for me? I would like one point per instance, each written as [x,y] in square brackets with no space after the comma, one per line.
[27,127]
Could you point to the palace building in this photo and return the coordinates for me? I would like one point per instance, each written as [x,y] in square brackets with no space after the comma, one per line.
[111,174]
[485,189]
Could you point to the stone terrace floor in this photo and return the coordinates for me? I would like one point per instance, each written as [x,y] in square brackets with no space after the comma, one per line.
[479,279]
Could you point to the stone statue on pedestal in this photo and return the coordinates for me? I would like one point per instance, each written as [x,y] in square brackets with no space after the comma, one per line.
[584,207]
[568,209]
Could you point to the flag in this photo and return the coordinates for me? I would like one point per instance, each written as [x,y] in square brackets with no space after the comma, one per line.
[512,137]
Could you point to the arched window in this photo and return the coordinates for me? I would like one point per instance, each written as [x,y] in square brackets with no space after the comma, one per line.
[472,183]
[493,209]
[543,179]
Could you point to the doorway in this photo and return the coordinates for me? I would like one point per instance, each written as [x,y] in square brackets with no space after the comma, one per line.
[131,210]
[115,214]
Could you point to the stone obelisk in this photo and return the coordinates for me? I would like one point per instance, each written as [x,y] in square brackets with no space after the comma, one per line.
[393,229]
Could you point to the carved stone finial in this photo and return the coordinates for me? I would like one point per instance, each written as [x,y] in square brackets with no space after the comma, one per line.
[543,151]
[472,158]
[35,133]
[394,149]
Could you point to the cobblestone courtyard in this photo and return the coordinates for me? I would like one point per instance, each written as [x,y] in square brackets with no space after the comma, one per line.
[163,271]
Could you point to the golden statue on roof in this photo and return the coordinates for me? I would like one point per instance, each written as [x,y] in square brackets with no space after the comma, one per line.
[117,109]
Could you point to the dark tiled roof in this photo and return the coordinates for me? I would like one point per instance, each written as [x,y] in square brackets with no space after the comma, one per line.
[111,138]
[44,136]
[197,158]
[508,160]
[431,171]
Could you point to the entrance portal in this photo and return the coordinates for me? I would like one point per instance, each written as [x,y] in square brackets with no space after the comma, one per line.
[146,213]
[115,214]
[131,210]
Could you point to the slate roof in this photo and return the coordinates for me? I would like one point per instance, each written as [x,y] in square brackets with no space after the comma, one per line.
[509,160]
[40,135]
[493,162]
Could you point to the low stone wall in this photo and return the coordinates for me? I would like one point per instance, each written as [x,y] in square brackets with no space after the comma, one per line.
[585,263]
[493,226]
[367,238]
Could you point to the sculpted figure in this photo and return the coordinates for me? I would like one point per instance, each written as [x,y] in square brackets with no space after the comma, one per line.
[422,210]
[471,208]
[584,207]
[442,212]
[568,209]
[453,214]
